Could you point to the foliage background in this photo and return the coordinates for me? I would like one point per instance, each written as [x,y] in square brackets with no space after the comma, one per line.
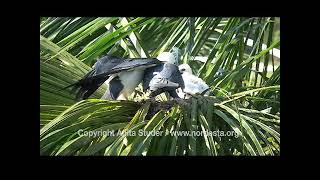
[247,94]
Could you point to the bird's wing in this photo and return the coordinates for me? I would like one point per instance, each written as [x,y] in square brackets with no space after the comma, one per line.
[167,79]
[149,74]
[130,64]
[106,63]
[171,72]
[87,85]
[159,82]
[115,87]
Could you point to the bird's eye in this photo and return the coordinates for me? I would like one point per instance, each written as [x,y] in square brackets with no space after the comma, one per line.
[183,69]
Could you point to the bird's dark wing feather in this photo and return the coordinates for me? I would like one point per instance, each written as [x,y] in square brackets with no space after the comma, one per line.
[148,75]
[115,87]
[106,63]
[171,73]
[90,82]
[127,65]
[171,76]
[130,64]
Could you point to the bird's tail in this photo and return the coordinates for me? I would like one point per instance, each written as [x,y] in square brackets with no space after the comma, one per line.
[85,87]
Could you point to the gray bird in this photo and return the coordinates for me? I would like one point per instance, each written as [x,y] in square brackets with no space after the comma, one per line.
[122,76]
[164,77]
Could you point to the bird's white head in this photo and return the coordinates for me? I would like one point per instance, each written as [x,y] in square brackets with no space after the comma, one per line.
[167,57]
[185,68]
[171,57]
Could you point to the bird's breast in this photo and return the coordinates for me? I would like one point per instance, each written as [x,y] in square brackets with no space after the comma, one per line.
[131,80]
[193,84]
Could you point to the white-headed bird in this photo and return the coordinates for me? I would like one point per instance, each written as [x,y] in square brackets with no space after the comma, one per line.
[122,75]
[192,84]
[164,77]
